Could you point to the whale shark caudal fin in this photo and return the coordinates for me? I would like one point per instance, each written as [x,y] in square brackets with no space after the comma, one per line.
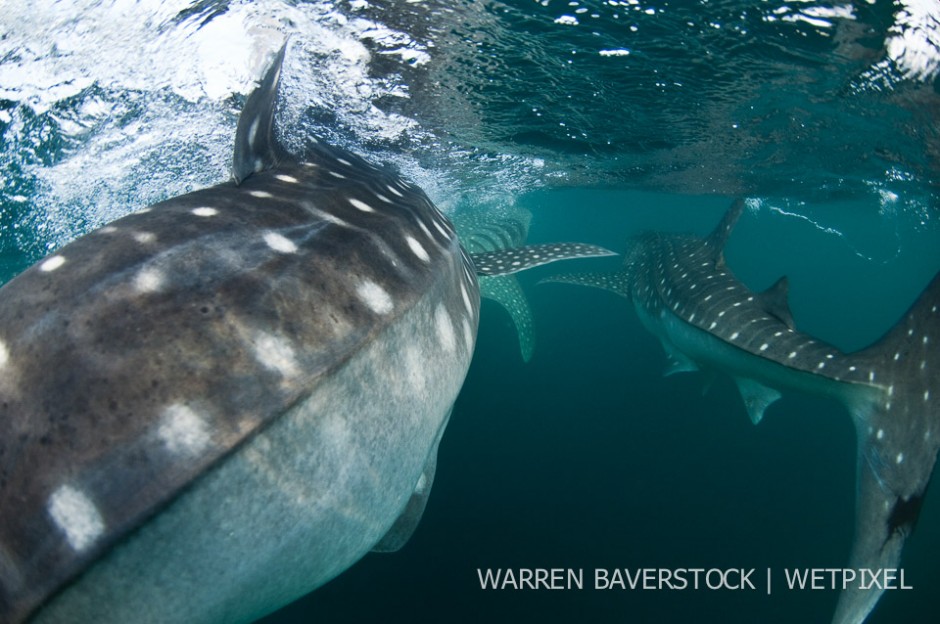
[507,292]
[898,439]
[491,230]
[708,320]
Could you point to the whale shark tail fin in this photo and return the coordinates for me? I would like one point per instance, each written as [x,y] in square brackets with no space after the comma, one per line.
[898,428]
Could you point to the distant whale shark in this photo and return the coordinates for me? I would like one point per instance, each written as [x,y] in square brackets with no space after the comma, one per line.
[491,230]
[708,320]
[212,406]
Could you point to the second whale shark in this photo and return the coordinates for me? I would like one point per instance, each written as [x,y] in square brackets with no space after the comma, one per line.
[707,320]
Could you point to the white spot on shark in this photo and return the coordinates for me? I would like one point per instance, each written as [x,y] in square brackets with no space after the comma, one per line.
[76,515]
[275,353]
[466,299]
[283,177]
[260,194]
[183,431]
[375,297]
[144,238]
[764,346]
[253,130]
[393,190]
[899,458]
[468,335]
[4,354]
[279,243]
[417,249]
[148,280]
[337,174]
[881,434]
[445,328]
[204,211]
[735,335]
[414,369]
[51,264]
[361,205]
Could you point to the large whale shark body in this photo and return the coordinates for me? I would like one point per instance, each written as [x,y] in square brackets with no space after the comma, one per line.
[216,404]
[708,320]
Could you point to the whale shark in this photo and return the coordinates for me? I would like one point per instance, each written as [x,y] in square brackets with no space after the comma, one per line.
[491,230]
[707,320]
[216,404]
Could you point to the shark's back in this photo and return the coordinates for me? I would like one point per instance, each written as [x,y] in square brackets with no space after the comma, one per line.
[138,359]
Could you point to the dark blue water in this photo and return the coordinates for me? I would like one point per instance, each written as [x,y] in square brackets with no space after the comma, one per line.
[641,115]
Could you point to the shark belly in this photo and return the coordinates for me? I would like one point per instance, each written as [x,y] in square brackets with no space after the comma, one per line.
[298,503]
[707,351]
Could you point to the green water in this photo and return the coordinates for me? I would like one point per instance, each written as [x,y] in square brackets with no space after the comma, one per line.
[588,457]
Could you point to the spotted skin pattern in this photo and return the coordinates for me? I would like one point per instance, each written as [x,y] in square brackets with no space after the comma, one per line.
[247,382]
[708,320]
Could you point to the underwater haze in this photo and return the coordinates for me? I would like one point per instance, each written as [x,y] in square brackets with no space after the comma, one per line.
[603,119]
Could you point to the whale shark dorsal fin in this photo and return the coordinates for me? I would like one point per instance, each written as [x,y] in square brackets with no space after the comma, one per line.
[719,236]
[256,146]
[774,301]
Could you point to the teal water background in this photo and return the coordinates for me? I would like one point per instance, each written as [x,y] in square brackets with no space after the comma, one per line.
[588,457]
[603,119]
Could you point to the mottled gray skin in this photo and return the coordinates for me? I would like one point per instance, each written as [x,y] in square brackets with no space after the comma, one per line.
[217,404]
[708,320]
[213,406]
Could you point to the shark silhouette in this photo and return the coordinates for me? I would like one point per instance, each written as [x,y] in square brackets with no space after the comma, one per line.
[212,406]
[708,320]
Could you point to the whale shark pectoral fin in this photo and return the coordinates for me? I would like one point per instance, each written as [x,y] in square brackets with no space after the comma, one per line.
[409,519]
[616,281]
[506,291]
[757,397]
[515,259]
[678,362]
[679,365]
[256,146]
